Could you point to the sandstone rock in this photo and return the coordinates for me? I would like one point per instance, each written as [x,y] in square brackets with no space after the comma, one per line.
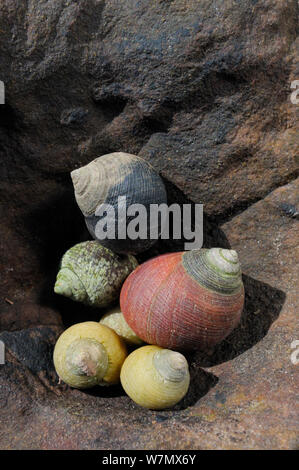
[202,91]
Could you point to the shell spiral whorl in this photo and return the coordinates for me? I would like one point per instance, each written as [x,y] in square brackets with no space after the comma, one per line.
[185,301]
[216,269]
[171,365]
[87,357]
[92,182]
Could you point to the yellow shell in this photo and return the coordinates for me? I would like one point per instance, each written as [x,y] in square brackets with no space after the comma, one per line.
[89,354]
[116,321]
[154,377]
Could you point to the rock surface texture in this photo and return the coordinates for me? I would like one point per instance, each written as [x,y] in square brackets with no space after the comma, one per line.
[202,91]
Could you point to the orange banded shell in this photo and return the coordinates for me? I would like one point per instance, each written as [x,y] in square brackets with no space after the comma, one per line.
[185,301]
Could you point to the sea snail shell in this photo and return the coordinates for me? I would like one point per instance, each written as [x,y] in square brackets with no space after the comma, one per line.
[89,354]
[155,378]
[92,274]
[105,179]
[185,301]
[116,321]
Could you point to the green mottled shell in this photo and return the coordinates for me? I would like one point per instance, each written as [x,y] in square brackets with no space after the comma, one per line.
[92,274]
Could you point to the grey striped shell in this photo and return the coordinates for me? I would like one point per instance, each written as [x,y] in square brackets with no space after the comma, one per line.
[92,274]
[107,178]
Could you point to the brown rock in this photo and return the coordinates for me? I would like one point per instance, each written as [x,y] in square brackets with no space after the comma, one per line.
[203,93]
